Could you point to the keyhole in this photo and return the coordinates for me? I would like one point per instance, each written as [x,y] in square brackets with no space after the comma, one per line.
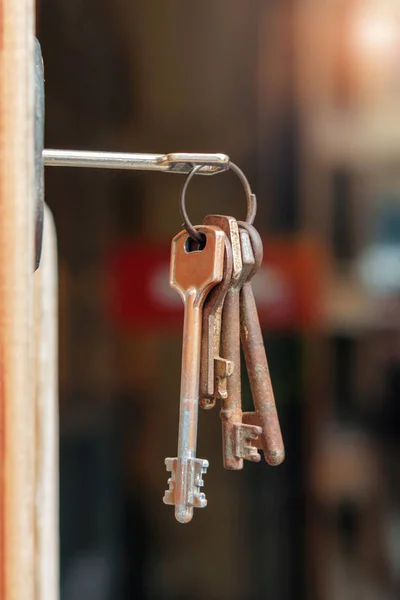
[192,245]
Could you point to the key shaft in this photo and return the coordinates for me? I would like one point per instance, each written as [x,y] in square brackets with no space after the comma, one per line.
[189,376]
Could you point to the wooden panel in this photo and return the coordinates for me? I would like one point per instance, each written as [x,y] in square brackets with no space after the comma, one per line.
[17,460]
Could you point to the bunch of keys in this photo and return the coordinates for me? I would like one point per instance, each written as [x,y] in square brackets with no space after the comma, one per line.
[212,266]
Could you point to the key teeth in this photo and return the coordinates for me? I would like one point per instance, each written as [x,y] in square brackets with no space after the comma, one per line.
[223,369]
[200,500]
[195,468]
[245,436]
[200,468]
[203,465]
[170,465]
[251,454]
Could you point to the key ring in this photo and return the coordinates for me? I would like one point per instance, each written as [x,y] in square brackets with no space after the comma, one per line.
[251,201]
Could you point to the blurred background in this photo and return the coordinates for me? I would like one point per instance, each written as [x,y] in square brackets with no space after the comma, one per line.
[304,96]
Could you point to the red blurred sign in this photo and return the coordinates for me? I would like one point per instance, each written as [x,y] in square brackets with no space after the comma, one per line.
[287,286]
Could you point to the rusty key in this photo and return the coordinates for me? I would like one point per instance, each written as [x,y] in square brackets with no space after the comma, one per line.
[193,274]
[231,411]
[219,370]
[214,369]
[239,437]
[265,414]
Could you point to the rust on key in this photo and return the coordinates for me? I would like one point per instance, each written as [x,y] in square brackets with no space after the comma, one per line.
[222,369]
[265,415]
[239,438]
[231,411]
[214,370]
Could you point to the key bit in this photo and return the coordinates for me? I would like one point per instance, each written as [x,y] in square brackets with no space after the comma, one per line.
[185,481]
[223,369]
[245,441]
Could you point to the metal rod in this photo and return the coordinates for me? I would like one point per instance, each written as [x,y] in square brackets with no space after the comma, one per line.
[167,163]
[47,425]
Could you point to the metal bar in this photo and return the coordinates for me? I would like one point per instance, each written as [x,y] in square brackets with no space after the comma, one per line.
[167,163]
[46,405]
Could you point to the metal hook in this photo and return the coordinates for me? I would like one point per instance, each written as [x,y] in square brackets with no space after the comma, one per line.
[178,162]
[251,201]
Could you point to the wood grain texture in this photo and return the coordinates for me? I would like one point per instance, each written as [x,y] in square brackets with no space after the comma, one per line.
[17,461]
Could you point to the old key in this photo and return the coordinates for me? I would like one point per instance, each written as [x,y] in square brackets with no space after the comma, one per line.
[214,369]
[236,437]
[265,415]
[193,274]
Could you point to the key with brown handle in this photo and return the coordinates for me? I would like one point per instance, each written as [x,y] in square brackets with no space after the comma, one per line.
[236,437]
[265,414]
[193,274]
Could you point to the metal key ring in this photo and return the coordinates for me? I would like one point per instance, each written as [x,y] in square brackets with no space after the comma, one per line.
[251,200]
